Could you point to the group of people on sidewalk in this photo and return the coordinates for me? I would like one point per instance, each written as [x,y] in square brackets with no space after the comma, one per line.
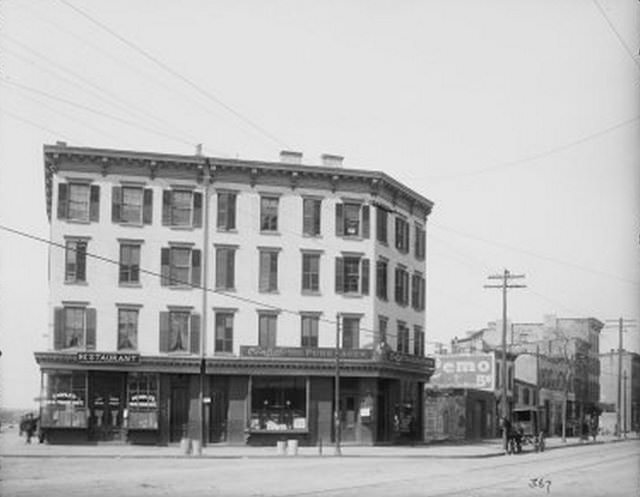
[29,426]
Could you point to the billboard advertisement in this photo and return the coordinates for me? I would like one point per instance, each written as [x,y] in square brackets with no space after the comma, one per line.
[475,371]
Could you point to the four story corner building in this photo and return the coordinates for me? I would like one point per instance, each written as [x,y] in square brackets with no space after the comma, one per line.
[198,297]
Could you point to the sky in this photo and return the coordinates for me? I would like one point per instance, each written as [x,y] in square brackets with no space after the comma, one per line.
[519,119]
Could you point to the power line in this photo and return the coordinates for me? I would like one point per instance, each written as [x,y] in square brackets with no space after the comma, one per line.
[175,73]
[540,155]
[534,254]
[616,33]
[33,123]
[233,296]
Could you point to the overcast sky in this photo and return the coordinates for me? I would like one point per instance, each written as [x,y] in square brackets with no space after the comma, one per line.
[519,119]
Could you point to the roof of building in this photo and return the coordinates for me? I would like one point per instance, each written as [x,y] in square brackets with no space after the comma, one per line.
[195,165]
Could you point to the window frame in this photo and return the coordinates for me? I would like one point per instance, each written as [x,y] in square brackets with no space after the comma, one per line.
[382,225]
[269,220]
[226,217]
[402,232]
[132,269]
[310,277]
[225,278]
[123,205]
[382,280]
[353,342]
[418,340]
[86,210]
[311,216]
[309,335]
[268,338]
[268,271]
[127,335]
[78,275]
[186,347]
[403,338]
[223,338]
[402,296]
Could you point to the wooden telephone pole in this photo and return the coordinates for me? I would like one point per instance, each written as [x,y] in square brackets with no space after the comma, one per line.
[506,276]
[622,323]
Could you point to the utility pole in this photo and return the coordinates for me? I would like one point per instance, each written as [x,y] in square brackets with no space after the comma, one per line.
[621,329]
[624,405]
[506,276]
[336,401]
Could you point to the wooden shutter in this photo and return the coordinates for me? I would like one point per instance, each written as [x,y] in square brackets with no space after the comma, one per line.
[165,262]
[414,291]
[364,277]
[365,221]
[195,267]
[221,267]
[194,340]
[197,209]
[272,330]
[398,286]
[63,200]
[166,207]
[94,206]
[264,271]
[230,269]
[91,328]
[147,208]
[223,210]
[398,234]
[339,220]
[307,217]
[164,332]
[116,201]
[339,275]
[58,328]
[231,206]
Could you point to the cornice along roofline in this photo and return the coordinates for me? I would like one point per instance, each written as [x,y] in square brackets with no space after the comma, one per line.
[105,157]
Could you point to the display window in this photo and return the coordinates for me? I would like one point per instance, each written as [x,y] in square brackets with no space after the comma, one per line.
[142,401]
[64,399]
[279,404]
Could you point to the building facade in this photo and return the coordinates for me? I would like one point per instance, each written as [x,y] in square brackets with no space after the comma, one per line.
[628,378]
[202,297]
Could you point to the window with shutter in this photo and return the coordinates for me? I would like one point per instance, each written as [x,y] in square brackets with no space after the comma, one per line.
[381,279]
[75,261]
[74,326]
[78,202]
[224,332]
[127,329]
[179,323]
[381,224]
[129,273]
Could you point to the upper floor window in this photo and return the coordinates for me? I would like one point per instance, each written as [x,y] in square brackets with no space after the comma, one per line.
[352,275]
[129,263]
[310,272]
[383,322]
[418,291]
[79,201]
[226,219]
[403,338]
[75,261]
[418,340]
[182,208]
[180,331]
[127,328]
[225,268]
[402,235]
[269,213]
[381,278]
[402,286]
[309,330]
[350,332]
[420,242]
[268,277]
[224,331]
[267,329]
[74,327]
[311,216]
[180,266]
[382,216]
[352,219]
[131,205]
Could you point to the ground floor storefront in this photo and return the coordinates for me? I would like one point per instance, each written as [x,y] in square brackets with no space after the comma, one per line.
[257,399]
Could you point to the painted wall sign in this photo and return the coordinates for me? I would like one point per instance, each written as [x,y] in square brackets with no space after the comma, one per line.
[108,357]
[464,371]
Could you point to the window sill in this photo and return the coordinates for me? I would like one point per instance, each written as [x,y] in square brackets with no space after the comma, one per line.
[270,232]
[353,295]
[220,353]
[126,224]
[272,292]
[129,285]
[78,221]
[128,351]
[312,293]
[180,227]
[312,235]
[277,432]
[355,238]
[76,283]
[180,287]
[225,290]
[383,242]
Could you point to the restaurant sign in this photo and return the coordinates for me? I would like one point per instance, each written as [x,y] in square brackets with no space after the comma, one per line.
[464,371]
[107,357]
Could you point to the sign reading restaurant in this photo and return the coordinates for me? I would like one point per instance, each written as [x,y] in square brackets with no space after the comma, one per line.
[464,371]
[108,357]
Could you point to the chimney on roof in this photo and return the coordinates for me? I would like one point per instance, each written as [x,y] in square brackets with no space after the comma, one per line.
[199,149]
[61,143]
[330,160]
[290,157]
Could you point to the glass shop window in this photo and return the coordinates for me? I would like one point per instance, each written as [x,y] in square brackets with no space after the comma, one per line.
[64,400]
[278,404]
[142,401]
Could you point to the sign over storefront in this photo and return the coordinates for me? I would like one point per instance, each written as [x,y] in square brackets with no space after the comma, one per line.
[107,357]
[464,371]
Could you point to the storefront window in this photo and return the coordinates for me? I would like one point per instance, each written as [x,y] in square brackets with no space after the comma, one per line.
[142,402]
[64,400]
[278,404]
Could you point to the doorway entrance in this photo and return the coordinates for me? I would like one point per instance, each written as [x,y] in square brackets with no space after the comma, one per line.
[178,408]
[107,403]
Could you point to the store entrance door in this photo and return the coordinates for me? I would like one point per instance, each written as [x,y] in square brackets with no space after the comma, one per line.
[179,409]
[348,417]
[107,406]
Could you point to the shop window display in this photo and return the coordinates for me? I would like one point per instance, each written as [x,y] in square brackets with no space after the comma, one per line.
[142,402]
[278,404]
[64,403]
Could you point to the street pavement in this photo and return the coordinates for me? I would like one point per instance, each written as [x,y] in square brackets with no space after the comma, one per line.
[577,470]
[12,445]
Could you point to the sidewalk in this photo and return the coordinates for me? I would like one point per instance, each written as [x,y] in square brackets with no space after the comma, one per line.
[11,445]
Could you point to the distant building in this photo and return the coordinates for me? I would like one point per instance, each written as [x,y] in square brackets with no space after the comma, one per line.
[629,391]
[198,294]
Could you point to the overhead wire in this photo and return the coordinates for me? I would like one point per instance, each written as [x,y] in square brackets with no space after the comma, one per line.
[617,34]
[165,67]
